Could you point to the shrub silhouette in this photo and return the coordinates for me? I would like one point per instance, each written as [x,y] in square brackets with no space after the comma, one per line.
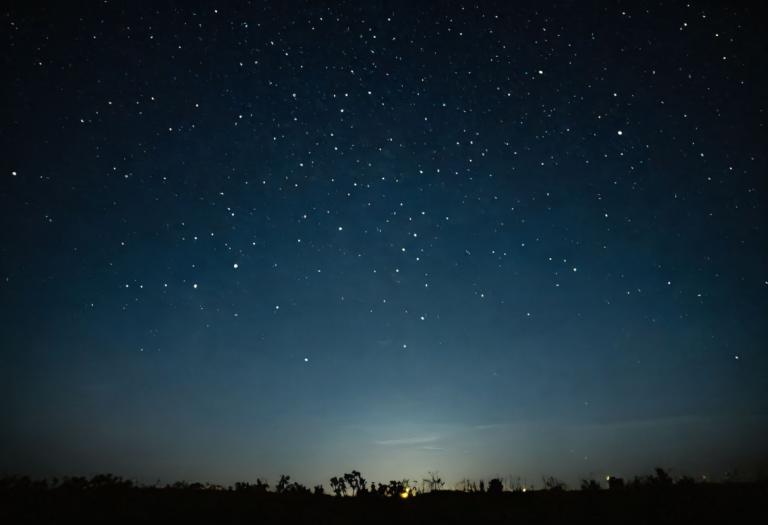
[285,486]
[258,488]
[396,488]
[495,486]
[662,479]
[615,483]
[685,481]
[552,483]
[590,485]
[282,485]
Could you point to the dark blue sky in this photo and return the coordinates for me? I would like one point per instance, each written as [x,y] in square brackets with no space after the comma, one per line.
[246,239]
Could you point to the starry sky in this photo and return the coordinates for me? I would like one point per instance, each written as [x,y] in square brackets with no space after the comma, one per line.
[493,238]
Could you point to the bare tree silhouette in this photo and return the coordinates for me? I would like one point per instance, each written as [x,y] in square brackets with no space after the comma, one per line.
[434,481]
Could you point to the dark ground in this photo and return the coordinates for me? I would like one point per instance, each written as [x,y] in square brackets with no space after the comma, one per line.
[701,503]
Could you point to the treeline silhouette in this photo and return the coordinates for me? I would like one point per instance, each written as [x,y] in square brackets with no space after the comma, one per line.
[656,498]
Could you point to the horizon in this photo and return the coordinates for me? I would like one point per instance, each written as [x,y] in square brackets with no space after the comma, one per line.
[432,483]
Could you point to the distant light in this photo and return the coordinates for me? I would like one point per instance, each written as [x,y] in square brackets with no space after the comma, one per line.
[619,132]
[194,286]
[525,489]
[404,494]
[306,360]
[235,266]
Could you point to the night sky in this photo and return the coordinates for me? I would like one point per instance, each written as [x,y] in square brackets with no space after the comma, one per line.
[241,240]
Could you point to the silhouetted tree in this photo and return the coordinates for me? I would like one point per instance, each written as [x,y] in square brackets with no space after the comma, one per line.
[685,481]
[355,482]
[615,483]
[552,483]
[396,488]
[495,486]
[362,487]
[349,479]
[434,482]
[80,483]
[259,487]
[109,481]
[283,484]
[338,485]
[590,485]
[467,485]
[298,489]
[662,479]
[98,498]
[515,484]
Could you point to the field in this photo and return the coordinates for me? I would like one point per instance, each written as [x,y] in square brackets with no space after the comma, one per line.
[24,501]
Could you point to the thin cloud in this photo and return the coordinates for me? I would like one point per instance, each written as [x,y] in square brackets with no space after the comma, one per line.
[407,441]
[491,426]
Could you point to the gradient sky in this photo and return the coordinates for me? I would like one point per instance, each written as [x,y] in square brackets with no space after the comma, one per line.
[246,239]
